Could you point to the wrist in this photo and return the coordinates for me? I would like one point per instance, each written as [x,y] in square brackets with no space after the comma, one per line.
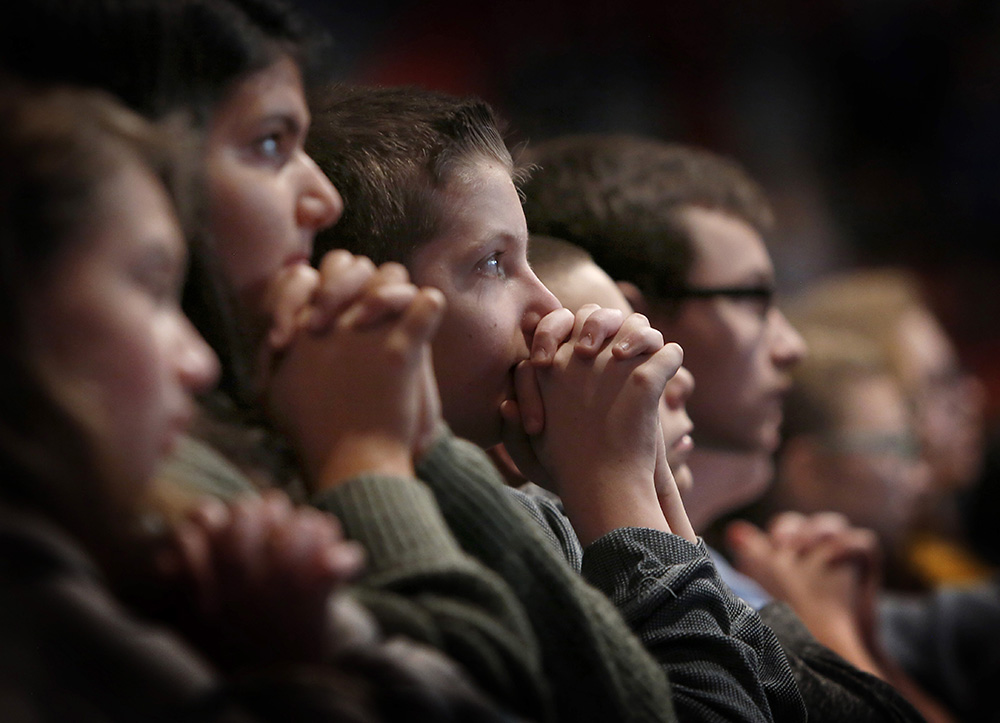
[597,508]
[428,440]
[355,455]
[841,634]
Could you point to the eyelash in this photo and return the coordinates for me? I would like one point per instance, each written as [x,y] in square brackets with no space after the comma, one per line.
[164,287]
[276,154]
[498,271]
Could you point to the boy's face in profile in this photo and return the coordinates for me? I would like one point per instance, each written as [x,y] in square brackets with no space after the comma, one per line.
[873,471]
[479,261]
[740,349]
[587,283]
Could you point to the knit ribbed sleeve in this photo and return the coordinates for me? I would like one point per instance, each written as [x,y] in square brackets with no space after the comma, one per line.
[597,669]
[420,583]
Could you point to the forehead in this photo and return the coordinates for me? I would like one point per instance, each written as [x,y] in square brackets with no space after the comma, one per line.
[482,193]
[586,283]
[478,206]
[275,90]
[926,351]
[725,249]
[136,210]
[130,213]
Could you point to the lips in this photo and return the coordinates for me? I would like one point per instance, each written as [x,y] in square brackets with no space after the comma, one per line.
[683,445]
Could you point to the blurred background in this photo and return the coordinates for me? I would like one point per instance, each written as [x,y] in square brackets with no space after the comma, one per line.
[874,125]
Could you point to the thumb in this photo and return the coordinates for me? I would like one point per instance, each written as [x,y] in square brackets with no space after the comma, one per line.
[666,361]
[287,300]
[748,544]
[529,398]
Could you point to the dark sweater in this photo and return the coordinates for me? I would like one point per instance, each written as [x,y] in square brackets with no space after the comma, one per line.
[72,652]
[638,569]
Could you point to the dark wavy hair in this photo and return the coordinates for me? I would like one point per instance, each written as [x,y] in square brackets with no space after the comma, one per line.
[160,57]
[57,149]
[157,56]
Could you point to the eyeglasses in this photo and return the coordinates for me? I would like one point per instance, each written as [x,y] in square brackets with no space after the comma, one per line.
[904,446]
[762,297]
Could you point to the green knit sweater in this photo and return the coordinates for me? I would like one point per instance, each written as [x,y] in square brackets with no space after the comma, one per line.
[456,562]
[418,581]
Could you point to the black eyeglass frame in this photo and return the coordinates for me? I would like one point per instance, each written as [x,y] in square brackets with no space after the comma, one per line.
[763,293]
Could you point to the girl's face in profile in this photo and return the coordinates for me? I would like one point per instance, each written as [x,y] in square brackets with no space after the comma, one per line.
[105,324]
[267,198]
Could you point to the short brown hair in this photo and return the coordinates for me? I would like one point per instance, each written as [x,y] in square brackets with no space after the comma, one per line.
[387,150]
[620,197]
[550,256]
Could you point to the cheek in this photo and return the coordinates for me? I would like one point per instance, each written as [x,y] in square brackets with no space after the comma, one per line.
[747,362]
[471,337]
[711,351]
[249,230]
[136,380]
[123,377]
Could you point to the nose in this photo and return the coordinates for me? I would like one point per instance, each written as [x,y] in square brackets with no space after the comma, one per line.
[539,302]
[788,347]
[196,363]
[319,203]
[679,389]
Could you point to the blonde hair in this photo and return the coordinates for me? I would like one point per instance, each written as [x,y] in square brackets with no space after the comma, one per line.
[837,358]
[58,147]
[871,303]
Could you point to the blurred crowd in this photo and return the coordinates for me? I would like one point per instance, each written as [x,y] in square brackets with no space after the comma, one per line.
[444,362]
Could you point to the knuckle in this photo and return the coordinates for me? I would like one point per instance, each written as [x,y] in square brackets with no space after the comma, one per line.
[335,259]
[394,270]
[646,378]
[653,337]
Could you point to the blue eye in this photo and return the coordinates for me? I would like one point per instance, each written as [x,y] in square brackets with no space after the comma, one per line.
[269,146]
[491,265]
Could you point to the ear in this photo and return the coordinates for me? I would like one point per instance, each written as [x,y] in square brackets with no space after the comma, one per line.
[634,297]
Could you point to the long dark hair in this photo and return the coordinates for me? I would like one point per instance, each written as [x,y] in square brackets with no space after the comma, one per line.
[156,56]
[160,57]
[57,148]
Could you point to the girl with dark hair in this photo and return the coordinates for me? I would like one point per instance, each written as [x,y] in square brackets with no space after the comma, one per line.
[240,69]
[100,368]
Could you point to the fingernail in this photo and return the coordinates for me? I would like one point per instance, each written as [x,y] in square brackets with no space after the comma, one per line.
[540,356]
[212,512]
[624,346]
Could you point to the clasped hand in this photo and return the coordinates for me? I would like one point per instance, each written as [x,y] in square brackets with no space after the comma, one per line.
[348,369]
[585,420]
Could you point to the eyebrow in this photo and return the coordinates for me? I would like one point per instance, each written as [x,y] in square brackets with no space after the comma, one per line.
[760,278]
[289,119]
[494,237]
